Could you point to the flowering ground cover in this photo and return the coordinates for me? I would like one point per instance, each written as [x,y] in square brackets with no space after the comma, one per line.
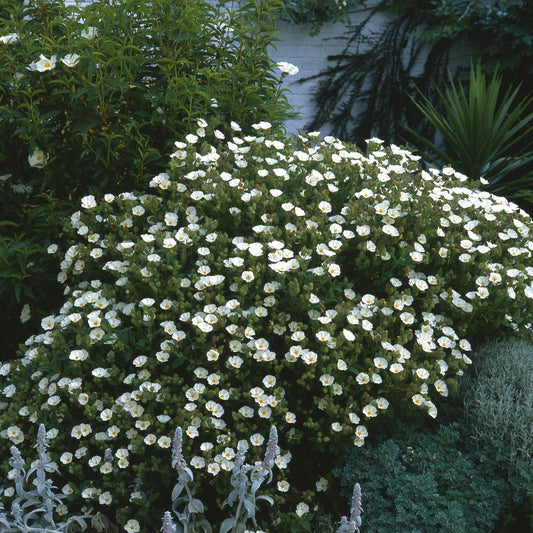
[297,283]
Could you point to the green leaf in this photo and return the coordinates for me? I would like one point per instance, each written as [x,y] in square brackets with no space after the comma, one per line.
[485,131]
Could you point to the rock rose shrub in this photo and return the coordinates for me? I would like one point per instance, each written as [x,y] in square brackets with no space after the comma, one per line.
[299,283]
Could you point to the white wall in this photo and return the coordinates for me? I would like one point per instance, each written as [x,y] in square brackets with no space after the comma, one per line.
[310,55]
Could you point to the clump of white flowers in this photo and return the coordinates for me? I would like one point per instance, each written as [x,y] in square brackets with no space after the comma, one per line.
[298,283]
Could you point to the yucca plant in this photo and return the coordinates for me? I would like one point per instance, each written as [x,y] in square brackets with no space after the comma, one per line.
[486,133]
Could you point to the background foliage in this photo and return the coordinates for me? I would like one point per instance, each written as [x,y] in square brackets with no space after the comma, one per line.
[318,12]
[365,90]
[146,72]
[485,132]
[469,472]
[425,481]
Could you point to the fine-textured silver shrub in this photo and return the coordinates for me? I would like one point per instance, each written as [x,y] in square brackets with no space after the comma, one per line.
[499,397]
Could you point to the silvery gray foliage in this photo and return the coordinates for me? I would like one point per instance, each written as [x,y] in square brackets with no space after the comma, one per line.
[190,521]
[168,524]
[245,479]
[353,524]
[499,396]
[33,510]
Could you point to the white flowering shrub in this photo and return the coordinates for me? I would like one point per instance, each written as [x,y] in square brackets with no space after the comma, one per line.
[299,283]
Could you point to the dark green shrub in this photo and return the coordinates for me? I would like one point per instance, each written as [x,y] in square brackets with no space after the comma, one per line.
[318,12]
[301,284]
[119,82]
[421,482]
[365,90]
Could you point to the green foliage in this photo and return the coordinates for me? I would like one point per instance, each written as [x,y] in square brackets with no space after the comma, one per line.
[6,9]
[366,89]
[91,98]
[300,283]
[499,398]
[485,132]
[424,481]
[318,12]
[502,30]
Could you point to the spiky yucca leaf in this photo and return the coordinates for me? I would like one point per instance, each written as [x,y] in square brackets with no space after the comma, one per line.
[485,132]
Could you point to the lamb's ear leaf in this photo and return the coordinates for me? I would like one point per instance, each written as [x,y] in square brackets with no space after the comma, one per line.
[266,498]
[227,525]
[176,491]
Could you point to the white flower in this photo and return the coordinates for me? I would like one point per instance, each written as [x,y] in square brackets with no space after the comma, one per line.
[327,379]
[432,410]
[302,508]
[269,381]
[362,378]
[78,355]
[38,158]
[88,202]
[247,276]
[213,468]
[25,314]
[283,486]
[382,403]
[164,441]
[66,458]
[361,431]
[10,38]
[407,318]
[140,360]
[380,362]
[70,60]
[418,399]
[391,230]
[465,345]
[263,125]
[370,411]
[334,270]
[441,387]
[422,373]
[105,498]
[287,68]
[321,484]
[89,33]
[325,207]
[257,439]
[132,525]
[43,64]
